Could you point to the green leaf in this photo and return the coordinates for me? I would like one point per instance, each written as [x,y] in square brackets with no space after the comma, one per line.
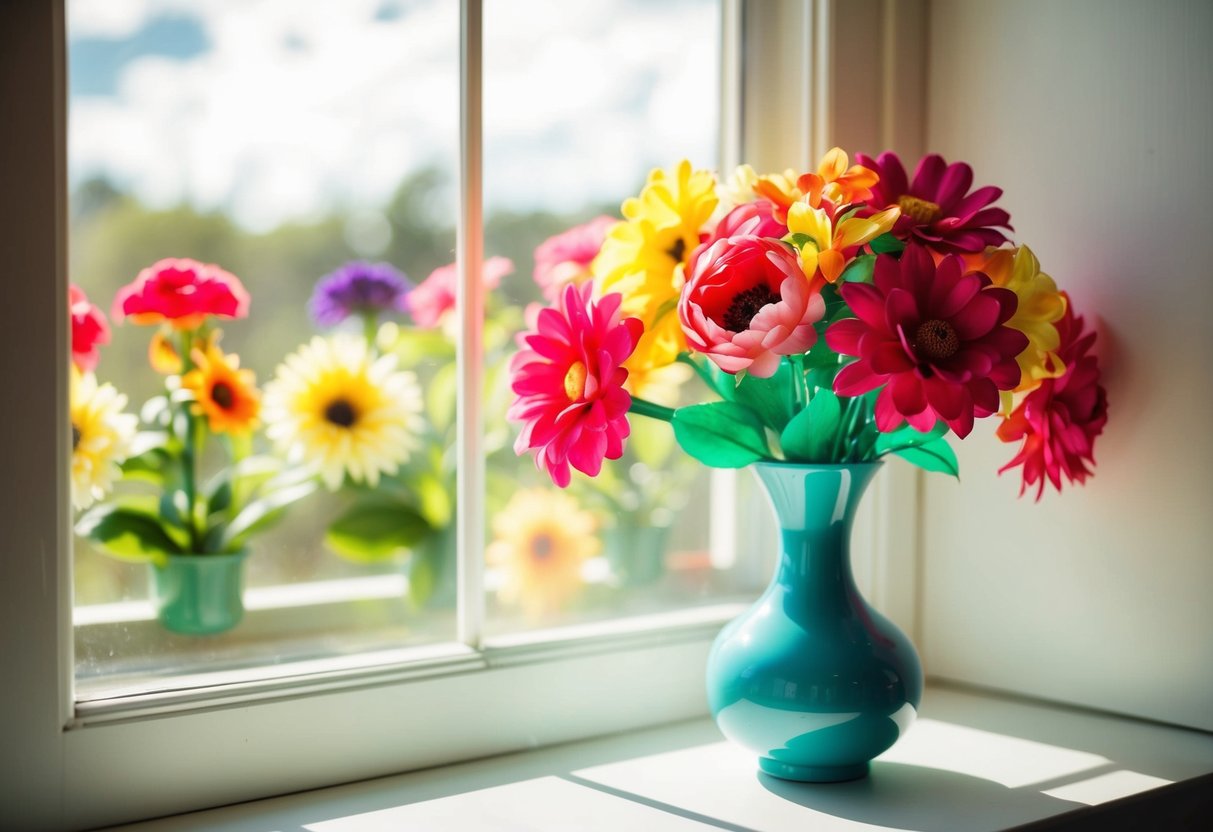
[127,533]
[262,513]
[436,505]
[377,530]
[800,240]
[887,244]
[860,269]
[440,398]
[150,466]
[773,399]
[421,581]
[220,498]
[907,437]
[936,455]
[809,437]
[721,434]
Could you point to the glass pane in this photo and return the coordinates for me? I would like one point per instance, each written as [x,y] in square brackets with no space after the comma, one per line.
[285,143]
[582,101]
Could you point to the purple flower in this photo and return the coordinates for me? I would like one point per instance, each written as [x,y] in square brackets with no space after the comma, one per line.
[358,288]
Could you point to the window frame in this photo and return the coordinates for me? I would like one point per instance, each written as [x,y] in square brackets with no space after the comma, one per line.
[77,768]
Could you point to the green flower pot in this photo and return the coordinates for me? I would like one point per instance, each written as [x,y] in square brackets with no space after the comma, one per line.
[636,553]
[199,595]
[811,678]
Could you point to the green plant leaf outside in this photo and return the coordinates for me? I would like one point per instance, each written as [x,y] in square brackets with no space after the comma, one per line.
[936,455]
[373,531]
[128,534]
[721,434]
[262,513]
[809,437]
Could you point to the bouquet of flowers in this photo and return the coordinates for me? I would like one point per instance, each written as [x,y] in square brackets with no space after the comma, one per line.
[834,316]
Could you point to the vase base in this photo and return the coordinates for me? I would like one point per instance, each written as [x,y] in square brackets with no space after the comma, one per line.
[812,774]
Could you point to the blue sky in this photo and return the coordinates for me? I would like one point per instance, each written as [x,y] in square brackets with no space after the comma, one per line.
[281,109]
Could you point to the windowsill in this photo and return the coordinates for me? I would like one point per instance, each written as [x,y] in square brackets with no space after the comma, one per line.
[973,761]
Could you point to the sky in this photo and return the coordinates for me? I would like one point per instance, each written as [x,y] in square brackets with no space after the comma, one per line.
[278,110]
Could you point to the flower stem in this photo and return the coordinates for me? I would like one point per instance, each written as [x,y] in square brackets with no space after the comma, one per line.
[704,374]
[370,328]
[190,452]
[653,410]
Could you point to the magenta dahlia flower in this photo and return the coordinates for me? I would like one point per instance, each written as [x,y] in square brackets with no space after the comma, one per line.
[937,209]
[568,382]
[566,257]
[1059,420]
[747,303]
[934,337]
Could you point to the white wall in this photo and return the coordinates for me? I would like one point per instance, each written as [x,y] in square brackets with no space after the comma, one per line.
[1095,117]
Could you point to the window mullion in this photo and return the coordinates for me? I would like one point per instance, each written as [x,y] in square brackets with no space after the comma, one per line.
[469,489]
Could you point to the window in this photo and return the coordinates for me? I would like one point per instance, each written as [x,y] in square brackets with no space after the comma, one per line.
[259,732]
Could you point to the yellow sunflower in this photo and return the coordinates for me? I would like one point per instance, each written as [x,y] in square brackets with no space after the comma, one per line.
[226,394]
[335,406]
[641,256]
[541,539]
[101,437]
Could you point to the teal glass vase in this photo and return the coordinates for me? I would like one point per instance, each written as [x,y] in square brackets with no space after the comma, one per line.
[199,595]
[811,678]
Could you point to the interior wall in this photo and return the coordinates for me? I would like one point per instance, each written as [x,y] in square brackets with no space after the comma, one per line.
[1095,117]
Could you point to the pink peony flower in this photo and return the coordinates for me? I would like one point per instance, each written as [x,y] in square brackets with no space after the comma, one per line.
[435,296]
[752,219]
[181,292]
[937,209]
[565,258]
[1059,420]
[747,303]
[569,383]
[933,337]
[89,330]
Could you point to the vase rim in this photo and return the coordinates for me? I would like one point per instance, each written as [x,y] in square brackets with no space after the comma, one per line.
[239,554]
[815,466]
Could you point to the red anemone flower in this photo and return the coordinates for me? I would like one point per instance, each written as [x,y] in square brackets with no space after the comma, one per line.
[1059,420]
[181,292]
[933,337]
[937,208]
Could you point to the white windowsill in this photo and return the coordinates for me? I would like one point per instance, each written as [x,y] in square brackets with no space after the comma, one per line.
[973,761]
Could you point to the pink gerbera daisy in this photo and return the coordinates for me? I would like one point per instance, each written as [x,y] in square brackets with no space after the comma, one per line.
[569,383]
[566,257]
[937,208]
[932,337]
[1059,420]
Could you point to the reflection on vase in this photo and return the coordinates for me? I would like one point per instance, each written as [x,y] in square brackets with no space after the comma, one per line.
[811,678]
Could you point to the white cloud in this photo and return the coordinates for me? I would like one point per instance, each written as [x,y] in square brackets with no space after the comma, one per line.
[298,107]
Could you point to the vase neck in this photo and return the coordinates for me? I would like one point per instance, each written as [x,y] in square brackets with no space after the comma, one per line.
[815,507]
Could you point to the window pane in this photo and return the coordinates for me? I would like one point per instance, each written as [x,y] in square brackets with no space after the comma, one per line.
[280,141]
[581,102]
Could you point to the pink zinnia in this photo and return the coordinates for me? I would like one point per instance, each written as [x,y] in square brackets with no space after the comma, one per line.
[89,330]
[932,337]
[747,303]
[181,292]
[1059,420]
[569,383]
[937,209]
[435,296]
[565,258]
[751,219]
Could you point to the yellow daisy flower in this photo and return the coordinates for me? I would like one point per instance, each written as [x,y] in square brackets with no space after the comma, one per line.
[641,257]
[226,394]
[101,437]
[335,406]
[541,539]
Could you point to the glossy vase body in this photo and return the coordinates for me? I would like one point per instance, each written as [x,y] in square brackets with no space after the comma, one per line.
[811,678]
[199,594]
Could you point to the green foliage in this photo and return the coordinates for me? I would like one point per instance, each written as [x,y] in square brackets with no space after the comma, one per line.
[774,398]
[809,437]
[262,513]
[933,456]
[376,530]
[908,437]
[860,269]
[887,244]
[127,533]
[721,434]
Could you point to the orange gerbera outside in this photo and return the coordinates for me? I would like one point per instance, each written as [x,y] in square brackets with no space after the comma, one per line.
[224,393]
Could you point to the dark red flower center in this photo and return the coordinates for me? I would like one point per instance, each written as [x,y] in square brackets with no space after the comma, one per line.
[340,413]
[921,211]
[541,546]
[221,394]
[935,340]
[677,250]
[746,305]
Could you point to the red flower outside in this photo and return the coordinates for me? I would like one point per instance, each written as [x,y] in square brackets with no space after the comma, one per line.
[181,292]
[89,330]
[937,208]
[1059,420]
[568,380]
[932,337]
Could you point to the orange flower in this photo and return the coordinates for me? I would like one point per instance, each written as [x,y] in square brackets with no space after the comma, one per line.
[836,181]
[224,392]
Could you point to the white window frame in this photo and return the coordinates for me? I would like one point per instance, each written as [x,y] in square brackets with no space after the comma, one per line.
[67,767]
